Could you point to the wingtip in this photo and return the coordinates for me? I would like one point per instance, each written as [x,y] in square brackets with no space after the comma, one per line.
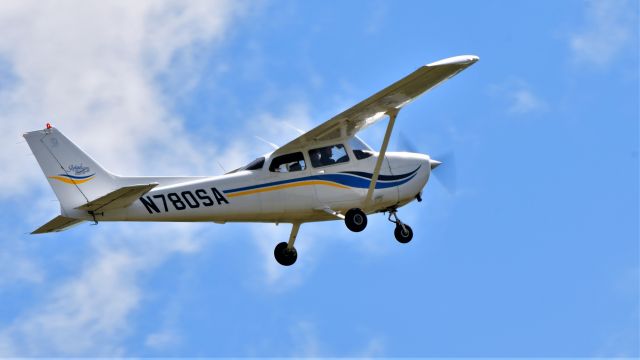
[461,60]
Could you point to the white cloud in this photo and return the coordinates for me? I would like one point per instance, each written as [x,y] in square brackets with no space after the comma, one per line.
[80,312]
[377,14]
[282,128]
[277,128]
[162,340]
[374,348]
[609,28]
[167,334]
[278,278]
[519,97]
[89,314]
[523,101]
[305,338]
[91,68]
[16,268]
[309,343]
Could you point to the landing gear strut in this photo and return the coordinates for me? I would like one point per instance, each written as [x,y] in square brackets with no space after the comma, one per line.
[285,253]
[356,220]
[403,232]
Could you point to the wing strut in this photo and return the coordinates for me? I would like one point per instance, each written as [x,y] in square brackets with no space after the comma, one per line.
[392,113]
[293,235]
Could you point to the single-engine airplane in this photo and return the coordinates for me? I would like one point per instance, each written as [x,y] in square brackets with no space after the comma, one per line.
[327,173]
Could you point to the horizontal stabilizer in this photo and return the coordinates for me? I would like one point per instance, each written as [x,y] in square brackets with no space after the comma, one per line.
[59,223]
[118,199]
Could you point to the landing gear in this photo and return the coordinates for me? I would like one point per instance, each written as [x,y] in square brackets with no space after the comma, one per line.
[403,232]
[285,253]
[356,220]
[285,256]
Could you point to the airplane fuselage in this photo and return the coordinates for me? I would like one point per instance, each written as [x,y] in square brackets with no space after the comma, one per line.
[266,196]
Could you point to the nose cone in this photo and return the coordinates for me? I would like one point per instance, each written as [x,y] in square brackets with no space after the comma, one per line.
[423,159]
[434,163]
[406,162]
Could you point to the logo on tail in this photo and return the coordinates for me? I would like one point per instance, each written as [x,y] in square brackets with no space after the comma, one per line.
[78,176]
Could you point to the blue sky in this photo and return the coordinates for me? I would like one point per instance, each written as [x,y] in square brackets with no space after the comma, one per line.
[535,254]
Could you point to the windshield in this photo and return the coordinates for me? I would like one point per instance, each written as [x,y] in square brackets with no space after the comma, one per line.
[256,164]
[357,144]
[360,149]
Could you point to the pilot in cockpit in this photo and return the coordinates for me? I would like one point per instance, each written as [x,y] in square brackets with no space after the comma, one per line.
[326,156]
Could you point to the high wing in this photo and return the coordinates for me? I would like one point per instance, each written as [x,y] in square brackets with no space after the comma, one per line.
[391,98]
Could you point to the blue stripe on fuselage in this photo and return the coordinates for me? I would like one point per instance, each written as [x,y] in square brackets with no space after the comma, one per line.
[346,179]
[380,176]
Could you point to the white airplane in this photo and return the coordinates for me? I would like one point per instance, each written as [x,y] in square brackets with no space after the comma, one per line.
[327,173]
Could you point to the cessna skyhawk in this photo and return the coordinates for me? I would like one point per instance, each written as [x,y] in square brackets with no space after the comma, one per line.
[327,173]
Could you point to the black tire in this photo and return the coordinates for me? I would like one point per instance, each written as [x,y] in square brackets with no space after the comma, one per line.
[356,220]
[285,256]
[403,236]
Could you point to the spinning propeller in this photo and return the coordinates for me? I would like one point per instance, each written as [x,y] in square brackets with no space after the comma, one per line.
[443,165]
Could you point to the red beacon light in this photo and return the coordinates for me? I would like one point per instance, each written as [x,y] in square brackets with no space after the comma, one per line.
[48,126]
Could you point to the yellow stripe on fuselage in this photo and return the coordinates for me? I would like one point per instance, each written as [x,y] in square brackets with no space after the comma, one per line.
[70,181]
[286,186]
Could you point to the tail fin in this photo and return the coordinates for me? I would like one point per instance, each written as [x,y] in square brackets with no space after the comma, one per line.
[74,176]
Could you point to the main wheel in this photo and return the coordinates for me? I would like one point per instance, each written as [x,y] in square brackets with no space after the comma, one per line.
[285,256]
[403,235]
[356,220]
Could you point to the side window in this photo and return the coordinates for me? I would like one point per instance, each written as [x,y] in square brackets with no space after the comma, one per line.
[360,149]
[328,155]
[288,163]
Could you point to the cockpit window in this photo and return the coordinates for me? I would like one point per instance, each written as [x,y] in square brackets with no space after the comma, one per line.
[328,155]
[359,148]
[288,163]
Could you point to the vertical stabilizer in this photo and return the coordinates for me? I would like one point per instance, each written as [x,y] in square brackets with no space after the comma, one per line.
[74,176]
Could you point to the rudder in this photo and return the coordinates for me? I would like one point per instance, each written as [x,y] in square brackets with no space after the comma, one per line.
[73,175]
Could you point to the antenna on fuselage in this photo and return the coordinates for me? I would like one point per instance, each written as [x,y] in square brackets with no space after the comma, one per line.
[299,131]
[221,167]
[274,146]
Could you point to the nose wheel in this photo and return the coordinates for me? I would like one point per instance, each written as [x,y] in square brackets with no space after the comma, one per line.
[403,232]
